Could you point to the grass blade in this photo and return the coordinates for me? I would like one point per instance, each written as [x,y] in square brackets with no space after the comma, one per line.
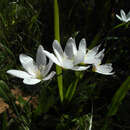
[117,100]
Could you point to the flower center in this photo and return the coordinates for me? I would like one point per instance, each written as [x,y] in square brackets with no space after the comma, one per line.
[38,75]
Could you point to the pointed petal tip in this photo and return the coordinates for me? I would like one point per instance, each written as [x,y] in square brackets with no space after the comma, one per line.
[83,39]
[21,55]
[121,11]
[40,47]
[55,42]
[71,38]
[98,45]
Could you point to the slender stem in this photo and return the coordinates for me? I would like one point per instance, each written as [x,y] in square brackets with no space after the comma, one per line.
[57,37]
[74,89]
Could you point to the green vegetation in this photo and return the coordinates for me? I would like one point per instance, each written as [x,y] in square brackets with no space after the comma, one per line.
[71,100]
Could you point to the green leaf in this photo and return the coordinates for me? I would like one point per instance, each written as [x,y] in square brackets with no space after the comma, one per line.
[21,100]
[4,90]
[8,50]
[4,122]
[118,97]
[46,100]
[71,90]
[5,93]
[117,100]
[119,25]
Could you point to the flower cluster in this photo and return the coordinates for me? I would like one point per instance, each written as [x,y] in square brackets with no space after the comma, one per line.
[71,58]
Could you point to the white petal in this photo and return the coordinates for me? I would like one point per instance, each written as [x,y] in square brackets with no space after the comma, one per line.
[119,17]
[90,59]
[40,56]
[94,50]
[123,15]
[28,64]
[52,57]
[19,73]
[67,63]
[128,15]
[104,69]
[82,46]
[128,19]
[31,81]
[74,51]
[58,50]
[100,54]
[70,48]
[50,76]
[93,57]
[80,68]
[79,58]
[47,68]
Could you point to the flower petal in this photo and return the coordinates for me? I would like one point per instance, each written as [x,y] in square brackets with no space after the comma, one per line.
[28,64]
[94,50]
[52,57]
[80,68]
[119,17]
[128,16]
[82,46]
[91,60]
[58,50]
[19,73]
[104,69]
[100,55]
[31,81]
[79,58]
[123,15]
[50,76]
[67,63]
[47,68]
[93,57]
[40,56]
[74,47]
[70,48]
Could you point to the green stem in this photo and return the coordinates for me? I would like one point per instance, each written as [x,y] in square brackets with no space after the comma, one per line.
[74,89]
[57,37]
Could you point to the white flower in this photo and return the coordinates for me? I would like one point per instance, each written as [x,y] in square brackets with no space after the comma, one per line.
[35,72]
[105,69]
[123,17]
[71,57]
[93,56]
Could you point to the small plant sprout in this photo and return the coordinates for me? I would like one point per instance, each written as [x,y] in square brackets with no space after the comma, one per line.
[71,57]
[123,17]
[35,72]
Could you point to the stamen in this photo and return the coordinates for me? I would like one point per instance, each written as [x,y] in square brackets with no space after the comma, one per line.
[38,75]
